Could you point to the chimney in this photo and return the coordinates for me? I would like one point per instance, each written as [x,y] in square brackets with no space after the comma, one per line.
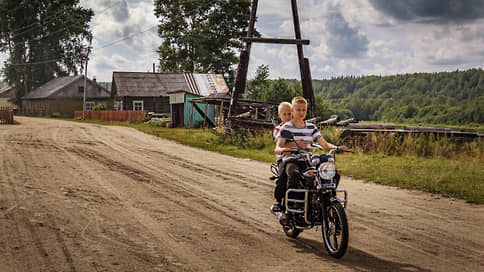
[94,79]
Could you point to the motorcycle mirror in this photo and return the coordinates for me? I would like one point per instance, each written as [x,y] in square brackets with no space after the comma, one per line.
[287,134]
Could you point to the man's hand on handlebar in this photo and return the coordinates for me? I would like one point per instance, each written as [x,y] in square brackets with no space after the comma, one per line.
[342,148]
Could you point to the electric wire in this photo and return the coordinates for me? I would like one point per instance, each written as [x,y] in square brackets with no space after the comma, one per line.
[52,19]
[101,47]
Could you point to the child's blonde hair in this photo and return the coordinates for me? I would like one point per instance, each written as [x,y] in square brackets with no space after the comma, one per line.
[299,100]
[283,106]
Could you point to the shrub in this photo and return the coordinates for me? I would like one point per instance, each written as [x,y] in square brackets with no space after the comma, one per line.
[99,107]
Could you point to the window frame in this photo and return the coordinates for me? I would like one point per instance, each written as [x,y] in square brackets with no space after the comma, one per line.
[91,103]
[138,101]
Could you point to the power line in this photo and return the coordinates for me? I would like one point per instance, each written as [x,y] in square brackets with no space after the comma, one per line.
[125,38]
[34,23]
[101,47]
[50,20]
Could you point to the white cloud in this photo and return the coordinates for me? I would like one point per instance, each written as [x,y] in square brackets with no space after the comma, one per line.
[132,27]
[347,38]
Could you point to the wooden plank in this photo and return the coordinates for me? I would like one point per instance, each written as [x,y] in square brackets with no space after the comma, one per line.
[454,134]
[277,40]
[329,122]
[205,116]
[347,122]
[371,126]
[426,129]
[195,106]
[243,115]
[315,120]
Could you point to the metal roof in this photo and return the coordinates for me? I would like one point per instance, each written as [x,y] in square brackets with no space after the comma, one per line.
[148,84]
[140,84]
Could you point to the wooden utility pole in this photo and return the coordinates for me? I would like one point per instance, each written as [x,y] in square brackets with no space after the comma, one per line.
[242,68]
[84,95]
[85,84]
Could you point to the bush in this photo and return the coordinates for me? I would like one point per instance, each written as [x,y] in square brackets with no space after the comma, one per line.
[99,107]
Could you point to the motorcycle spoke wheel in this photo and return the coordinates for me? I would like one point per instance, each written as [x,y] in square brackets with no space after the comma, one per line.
[335,230]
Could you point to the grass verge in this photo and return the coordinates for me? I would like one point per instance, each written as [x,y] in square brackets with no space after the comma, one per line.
[460,176]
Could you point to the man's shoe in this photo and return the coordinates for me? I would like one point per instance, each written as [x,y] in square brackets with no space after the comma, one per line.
[276,208]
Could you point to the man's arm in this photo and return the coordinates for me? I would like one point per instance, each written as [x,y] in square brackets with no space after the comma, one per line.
[282,145]
[326,146]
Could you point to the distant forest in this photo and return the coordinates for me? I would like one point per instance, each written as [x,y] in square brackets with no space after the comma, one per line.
[438,98]
[433,98]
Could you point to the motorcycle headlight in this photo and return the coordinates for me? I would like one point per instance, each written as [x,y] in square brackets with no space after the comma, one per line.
[327,170]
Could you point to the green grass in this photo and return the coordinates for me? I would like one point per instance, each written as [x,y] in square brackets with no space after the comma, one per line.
[460,178]
[454,171]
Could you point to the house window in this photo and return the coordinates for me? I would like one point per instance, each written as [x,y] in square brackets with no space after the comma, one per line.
[81,89]
[118,105]
[138,105]
[90,105]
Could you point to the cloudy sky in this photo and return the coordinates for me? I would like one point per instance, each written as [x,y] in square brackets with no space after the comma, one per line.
[348,37]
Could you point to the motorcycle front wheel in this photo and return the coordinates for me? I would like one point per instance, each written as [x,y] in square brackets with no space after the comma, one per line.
[335,230]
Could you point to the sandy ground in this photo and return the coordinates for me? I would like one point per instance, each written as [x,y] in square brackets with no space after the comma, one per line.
[82,197]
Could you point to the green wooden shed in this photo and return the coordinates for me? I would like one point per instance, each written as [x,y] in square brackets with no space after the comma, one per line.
[186,114]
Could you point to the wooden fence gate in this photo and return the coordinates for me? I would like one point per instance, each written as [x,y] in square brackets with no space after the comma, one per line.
[6,115]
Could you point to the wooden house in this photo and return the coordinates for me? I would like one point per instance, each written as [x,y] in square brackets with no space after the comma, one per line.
[64,95]
[6,94]
[167,93]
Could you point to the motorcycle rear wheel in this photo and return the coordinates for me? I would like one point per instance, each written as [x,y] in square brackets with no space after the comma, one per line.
[335,230]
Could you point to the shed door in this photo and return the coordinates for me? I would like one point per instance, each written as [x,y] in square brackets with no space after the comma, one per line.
[178,112]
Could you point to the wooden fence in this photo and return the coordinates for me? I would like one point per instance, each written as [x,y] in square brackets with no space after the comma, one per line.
[6,115]
[122,116]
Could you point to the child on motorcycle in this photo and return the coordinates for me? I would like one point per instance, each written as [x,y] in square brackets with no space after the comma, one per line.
[285,113]
[304,134]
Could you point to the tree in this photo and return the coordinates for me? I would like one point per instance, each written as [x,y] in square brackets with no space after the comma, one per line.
[258,86]
[44,39]
[201,35]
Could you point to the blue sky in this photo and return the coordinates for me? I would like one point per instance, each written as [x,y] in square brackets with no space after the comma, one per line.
[348,37]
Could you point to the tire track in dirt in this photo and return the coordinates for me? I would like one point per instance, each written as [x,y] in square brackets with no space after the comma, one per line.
[137,196]
[188,191]
[231,176]
[175,173]
[145,220]
[25,229]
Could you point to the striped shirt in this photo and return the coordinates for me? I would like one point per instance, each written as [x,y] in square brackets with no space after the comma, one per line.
[275,133]
[309,133]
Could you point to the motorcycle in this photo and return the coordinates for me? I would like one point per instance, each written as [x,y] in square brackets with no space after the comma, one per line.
[316,202]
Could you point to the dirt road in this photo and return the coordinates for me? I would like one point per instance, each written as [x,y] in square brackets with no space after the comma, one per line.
[82,197]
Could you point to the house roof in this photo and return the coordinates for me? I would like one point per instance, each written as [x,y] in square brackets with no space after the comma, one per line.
[7,91]
[67,87]
[140,84]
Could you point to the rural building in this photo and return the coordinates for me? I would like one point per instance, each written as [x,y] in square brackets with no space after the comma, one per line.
[151,91]
[64,95]
[7,93]
[182,111]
